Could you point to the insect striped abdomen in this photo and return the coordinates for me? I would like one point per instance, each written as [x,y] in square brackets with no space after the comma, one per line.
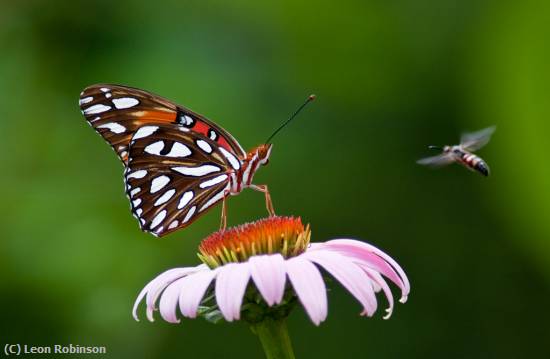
[482,168]
[475,163]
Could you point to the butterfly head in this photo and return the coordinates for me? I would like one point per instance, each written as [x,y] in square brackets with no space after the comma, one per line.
[262,152]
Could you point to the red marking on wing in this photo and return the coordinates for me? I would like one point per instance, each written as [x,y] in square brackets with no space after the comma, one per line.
[224,144]
[202,128]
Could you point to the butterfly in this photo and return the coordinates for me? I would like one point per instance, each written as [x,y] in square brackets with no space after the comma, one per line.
[462,153]
[178,164]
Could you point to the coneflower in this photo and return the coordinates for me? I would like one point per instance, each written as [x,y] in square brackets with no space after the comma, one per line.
[258,271]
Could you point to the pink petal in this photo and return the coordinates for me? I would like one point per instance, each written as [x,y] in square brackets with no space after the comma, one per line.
[163,280]
[315,245]
[375,285]
[349,274]
[381,283]
[309,286]
[154,287]
[268,273]
[230,287]
[374,258]
[169,300]
[363,256]
[192,291]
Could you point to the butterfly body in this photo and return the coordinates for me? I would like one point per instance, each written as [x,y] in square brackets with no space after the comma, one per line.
[242,177]
[463,153]
[178,164]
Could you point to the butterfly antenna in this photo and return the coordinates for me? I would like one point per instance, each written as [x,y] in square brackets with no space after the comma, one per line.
[435,148]
[309,99]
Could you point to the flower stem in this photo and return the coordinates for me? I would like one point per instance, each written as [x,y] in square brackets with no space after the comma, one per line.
[274,337]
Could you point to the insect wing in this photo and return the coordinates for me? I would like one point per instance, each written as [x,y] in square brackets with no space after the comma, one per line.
[437,161]
[475,140]
[174,175]
[117,112]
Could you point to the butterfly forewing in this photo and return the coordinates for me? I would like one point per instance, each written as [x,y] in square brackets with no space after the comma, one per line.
[117,112]
[174,175]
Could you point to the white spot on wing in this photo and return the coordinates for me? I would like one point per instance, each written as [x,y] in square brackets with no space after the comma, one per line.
[165,197]
[104,89]
[99,108]
[139,211]
[179,150]
[144,132]
[113,127]
[108,95]
[197,171]
[190,214]
[205,146]
[235,163]
[173,224]
[213,181]
[136,202]
[155,148]
[188,120]
[185,199]
[85,100]
[138,174]
[212,135]
[213,200]
[125,102]
[135,191]
[159,182]
[158,218]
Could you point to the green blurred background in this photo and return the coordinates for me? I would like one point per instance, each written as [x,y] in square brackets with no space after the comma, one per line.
[391,77]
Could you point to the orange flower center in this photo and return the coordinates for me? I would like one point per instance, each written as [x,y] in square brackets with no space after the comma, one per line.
[284,235]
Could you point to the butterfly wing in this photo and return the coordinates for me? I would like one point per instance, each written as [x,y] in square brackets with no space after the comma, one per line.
[475,140]
[117,112]
[174,175]
[437,161]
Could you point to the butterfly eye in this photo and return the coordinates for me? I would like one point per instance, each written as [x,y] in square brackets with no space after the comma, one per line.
[457,151]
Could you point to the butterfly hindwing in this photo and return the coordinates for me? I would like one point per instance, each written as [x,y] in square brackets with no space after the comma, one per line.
[117,112]
[174,175]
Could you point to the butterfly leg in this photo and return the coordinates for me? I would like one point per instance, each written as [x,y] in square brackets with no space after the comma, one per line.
[268,202]
[223,223]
